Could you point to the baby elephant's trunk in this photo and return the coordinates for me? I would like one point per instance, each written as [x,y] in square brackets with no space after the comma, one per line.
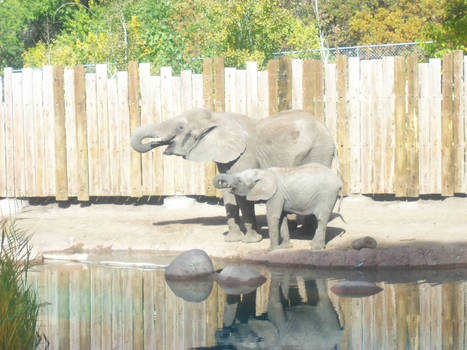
[222,181]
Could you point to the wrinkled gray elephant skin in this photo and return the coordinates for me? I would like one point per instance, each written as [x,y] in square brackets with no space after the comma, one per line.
[291,323]
[303,190]
[236,142]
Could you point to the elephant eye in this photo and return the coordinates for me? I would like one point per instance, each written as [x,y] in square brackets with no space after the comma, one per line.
[180,127]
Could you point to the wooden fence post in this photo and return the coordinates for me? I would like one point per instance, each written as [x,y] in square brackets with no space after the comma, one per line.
[209,103]
[219,106]
[412,128]
[81,134]
[458,116]
[273,79]
[285,83]
[309,86]
[135,121]
[447,166]
[342,121]
[400,171]
[61,182]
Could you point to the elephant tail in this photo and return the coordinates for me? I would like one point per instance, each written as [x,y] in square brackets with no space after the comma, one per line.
[338,165]
[341,197]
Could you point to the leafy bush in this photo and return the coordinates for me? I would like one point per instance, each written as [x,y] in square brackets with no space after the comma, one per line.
[18,302]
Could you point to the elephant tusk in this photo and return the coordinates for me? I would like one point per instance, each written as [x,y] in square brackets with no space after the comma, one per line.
[151,140]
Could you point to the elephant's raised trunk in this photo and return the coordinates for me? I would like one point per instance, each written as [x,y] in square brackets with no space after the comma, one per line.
[153,131]
[222,181]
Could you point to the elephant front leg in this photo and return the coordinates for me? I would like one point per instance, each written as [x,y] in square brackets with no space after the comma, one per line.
[249,220]
[233,220]
[284,233]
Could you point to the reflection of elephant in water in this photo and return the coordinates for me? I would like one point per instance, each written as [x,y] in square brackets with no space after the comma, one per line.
[290,323]
[236,142]
[304,190]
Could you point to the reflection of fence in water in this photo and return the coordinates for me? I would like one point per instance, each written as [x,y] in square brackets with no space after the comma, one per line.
[95,307]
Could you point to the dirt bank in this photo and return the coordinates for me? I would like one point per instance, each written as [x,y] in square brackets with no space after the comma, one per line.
[431,229]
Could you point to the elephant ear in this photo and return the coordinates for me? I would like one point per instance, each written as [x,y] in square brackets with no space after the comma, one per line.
[219,138]
[264,188]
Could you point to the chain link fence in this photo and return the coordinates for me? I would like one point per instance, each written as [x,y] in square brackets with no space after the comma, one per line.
[365,52]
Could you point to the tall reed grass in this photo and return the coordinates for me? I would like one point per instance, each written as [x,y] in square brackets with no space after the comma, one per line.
[19,305]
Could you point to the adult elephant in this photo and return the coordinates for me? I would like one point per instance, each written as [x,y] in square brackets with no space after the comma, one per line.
[236,142]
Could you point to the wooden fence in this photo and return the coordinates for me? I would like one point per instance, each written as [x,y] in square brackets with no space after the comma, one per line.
[400,126]
[100,308]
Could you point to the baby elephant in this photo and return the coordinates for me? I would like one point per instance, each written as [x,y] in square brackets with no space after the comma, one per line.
[308,189]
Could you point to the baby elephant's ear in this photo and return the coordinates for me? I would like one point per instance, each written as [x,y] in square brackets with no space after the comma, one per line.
[264,188]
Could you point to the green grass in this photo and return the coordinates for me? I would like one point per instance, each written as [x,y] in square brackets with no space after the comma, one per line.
[18,302]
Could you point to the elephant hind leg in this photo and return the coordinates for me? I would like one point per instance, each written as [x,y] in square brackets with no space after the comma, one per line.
[319,240]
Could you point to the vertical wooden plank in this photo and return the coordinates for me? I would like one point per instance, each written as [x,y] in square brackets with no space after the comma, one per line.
[389,317]
[447,128]
[135,121]
[367,318]
[127,309]
[378,126]
[319,90]
[342,122]
[103,125]
[40,132]
[447,312]
[2,144]
[148,308]
[70,130]
[331,99]
[29,132]
[413,317]
[297,84]
[63,306]
[18,135]
[356,337]
[436,317]
[48,108]
[251,89]
[158,164]
[424,128]
[96,307]
[367,133]
[186,103]
[146,118]
[354,124]
[167,112]
[179,163]
[273,82]
[458,115]
[263,97]
[85,309]
[219,104]
[124,129]
[61,182]
[389,122]
[107,310]
[401,315]
[400,170]
[211,319]
[160,297]
[74,308]
[285,83]
[137,305]
[209,103]
[435,124]
[198,102]
[230,92]
[93,134]
[412,127]
[114,137]
[9,132]
[425,315]
[116,298]
[240,83]
[81,134]
[309,86]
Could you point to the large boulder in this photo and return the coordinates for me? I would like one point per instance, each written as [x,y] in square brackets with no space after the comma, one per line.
[236,280]
[190,265]
[194,291]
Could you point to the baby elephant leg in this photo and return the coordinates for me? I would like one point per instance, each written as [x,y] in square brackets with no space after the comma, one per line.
[318,242]
[284,233]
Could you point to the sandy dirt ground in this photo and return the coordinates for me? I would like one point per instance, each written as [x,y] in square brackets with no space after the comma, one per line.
[155,228]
